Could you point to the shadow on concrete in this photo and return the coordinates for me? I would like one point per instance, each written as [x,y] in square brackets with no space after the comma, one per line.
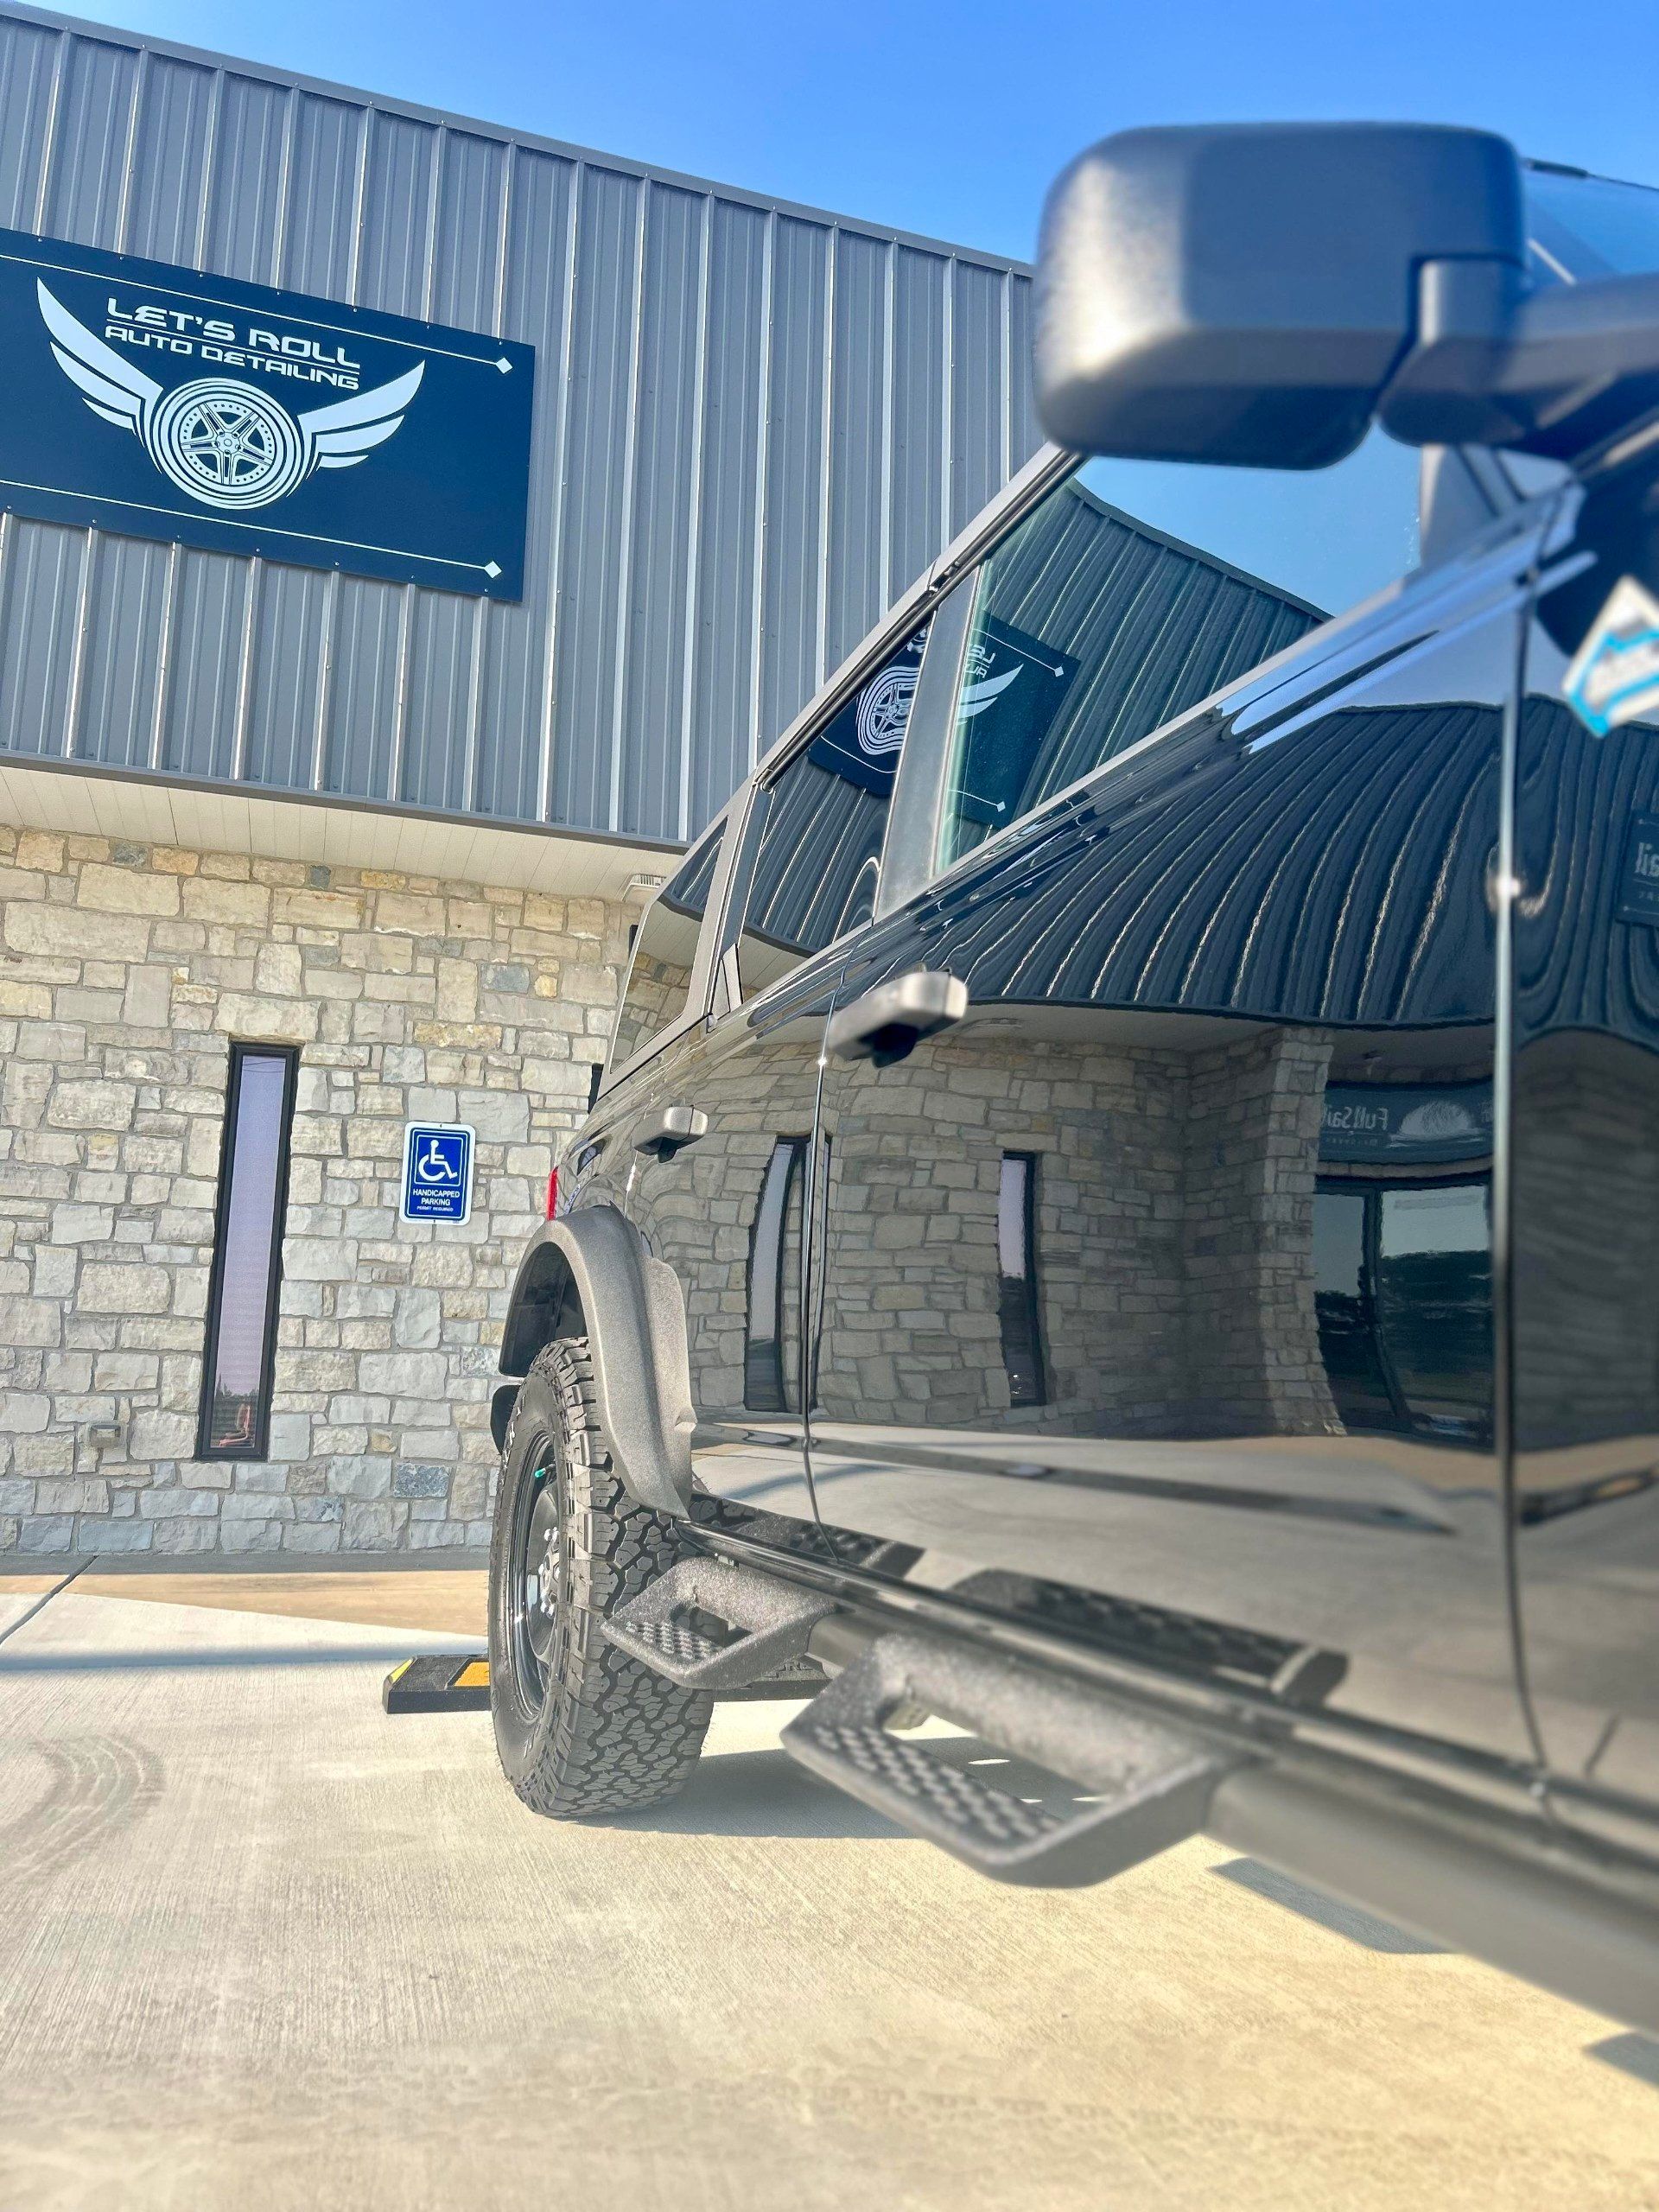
[202,1658]
[767,1793]
[1633,2054]
[758,1794]
[1347,1920]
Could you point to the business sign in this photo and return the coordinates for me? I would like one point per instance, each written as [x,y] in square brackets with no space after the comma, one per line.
[438,1171]
[160,402]
[1406,1124]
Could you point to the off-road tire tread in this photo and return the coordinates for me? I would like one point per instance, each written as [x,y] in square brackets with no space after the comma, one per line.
[620,1738]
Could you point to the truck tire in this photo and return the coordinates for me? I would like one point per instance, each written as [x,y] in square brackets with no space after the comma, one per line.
[580,1728]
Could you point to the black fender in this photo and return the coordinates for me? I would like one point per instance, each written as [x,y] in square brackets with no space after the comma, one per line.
[589,1274]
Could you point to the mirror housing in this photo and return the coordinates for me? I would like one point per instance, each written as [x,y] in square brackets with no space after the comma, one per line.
[1244,293]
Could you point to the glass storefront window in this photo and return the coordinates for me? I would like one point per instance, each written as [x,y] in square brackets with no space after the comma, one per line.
[247,1254]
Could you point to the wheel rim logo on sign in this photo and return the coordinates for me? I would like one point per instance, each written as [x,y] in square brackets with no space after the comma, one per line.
[884,711]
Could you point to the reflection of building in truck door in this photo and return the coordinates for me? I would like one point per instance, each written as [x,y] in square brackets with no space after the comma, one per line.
[1403,1288]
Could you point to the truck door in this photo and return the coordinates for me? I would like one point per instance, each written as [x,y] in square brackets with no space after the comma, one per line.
[1160,1279]
[1586,1169]
[719,1181]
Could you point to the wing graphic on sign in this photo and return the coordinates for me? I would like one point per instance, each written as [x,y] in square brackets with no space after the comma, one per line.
[341,436]
[113,388]
[977,696]
[225,443]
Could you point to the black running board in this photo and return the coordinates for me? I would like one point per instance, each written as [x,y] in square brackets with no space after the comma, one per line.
[773,1620]
[1139,1784]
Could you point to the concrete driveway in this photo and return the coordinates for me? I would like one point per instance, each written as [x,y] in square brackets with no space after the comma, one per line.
[261,1946]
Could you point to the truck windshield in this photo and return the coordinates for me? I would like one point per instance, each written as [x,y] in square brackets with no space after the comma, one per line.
[1580,227]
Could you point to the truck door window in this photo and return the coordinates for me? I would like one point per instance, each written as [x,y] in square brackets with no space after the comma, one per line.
[1089,631]
[664,951]
[816,830]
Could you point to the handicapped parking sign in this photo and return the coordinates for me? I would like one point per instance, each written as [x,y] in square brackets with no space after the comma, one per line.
[437,1170]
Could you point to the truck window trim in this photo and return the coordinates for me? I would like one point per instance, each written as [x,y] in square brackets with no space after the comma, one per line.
[700,991]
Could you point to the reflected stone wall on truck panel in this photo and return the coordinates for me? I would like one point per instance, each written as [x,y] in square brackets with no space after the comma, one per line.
[1174,1235]
[126,971]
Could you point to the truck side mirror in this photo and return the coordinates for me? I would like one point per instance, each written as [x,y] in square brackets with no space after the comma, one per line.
[1243,293]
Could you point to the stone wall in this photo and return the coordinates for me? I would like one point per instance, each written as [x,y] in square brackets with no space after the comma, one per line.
[1586,1212]
[126,971]
[1251,1136]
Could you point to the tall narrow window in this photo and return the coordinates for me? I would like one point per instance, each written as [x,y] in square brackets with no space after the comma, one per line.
[1016,1263]
[247,1254]
[770,1349]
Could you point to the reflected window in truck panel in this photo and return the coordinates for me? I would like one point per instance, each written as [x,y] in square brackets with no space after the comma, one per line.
[1089,631]
[1016,1263]
[818,828]
[1403,1295]
[664,947]
[770,1348]
[235,1416]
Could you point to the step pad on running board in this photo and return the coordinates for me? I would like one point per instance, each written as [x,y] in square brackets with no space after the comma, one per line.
[1146,1783]
[774,1620]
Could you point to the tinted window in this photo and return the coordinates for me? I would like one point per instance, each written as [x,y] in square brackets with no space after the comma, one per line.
[1329,536]
[247,1254]
[1090,630]
[1588,226]
[818,828]
[659,976]
[1018,1309]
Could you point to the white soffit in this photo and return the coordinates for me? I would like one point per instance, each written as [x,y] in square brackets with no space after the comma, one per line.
[323,832]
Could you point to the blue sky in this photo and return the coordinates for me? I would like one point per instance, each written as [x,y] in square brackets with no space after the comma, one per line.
[951,120]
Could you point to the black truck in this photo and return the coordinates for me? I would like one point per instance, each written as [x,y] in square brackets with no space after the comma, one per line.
[1122,1210]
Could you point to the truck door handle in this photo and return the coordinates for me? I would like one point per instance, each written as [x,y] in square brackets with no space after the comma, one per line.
[668,1130]
[889,1022]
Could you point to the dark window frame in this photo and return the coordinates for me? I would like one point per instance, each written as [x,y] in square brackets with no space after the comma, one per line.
[1018,1298]
[765,1381]
[258,1445]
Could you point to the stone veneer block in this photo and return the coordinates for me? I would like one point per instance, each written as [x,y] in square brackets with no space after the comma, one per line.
[125,972]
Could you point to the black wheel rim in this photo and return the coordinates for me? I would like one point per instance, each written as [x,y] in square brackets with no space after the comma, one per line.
[533,1590]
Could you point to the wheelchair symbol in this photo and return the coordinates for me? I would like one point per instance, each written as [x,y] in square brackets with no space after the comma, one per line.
[433,1163]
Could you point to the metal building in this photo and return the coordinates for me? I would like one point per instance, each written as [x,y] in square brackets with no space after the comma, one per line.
[755,423]
[312,873]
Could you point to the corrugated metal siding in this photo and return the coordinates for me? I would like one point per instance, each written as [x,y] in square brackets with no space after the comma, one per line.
[755,425]
[1581,962]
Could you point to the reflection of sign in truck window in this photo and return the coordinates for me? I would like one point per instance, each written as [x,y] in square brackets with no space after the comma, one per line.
[1012,689]
[861,743]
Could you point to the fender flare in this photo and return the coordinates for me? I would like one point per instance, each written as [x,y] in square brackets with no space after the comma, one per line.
[589,1273]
